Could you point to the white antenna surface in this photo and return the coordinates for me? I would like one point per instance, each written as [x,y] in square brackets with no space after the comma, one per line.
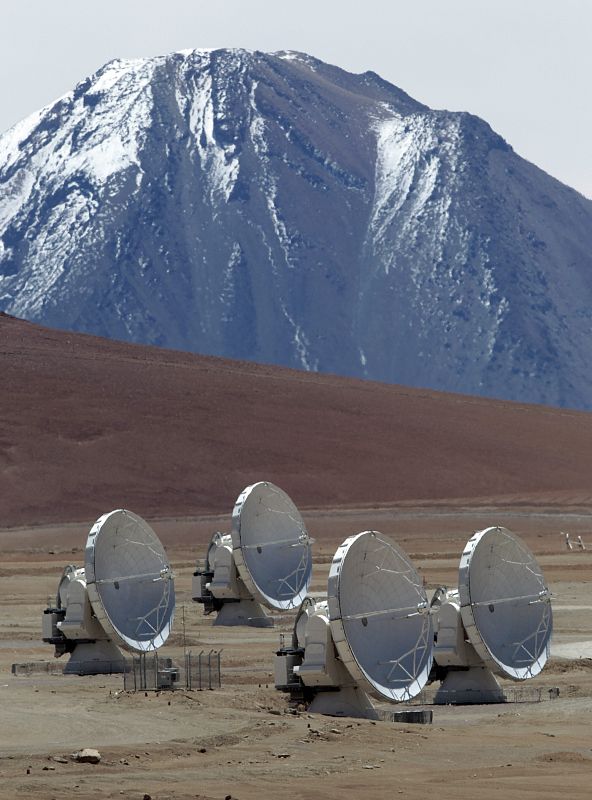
[505,604]
[123,596]
[129,581]
[498,621]
[265,561]
[372,635]
[272,549]
[379,616]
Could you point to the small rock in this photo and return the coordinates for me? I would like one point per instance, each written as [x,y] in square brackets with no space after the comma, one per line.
[59,759]
[147,797]
[202,750]
[49,768]
[87,756]
[282,755]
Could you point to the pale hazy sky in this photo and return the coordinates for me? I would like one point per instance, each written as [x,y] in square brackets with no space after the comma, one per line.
[523,65]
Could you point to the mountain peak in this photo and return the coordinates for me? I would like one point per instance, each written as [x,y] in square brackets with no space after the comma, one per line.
[272,207]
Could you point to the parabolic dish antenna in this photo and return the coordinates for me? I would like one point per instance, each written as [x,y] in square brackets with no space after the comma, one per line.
[129,581]
[265,561]
[373,634]
[498,621]
[271,546]
[505,604]
[123,596]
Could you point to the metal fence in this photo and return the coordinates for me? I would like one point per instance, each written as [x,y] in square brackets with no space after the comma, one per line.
[149,672]
[202,671]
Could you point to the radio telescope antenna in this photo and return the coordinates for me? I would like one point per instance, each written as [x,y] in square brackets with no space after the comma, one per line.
[373,634]
[124,596]
[499,621]
[265,561]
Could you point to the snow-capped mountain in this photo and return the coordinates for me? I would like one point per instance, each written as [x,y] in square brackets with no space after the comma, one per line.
[275,208]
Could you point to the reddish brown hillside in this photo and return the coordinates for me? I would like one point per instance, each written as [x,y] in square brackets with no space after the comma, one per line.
[88,424]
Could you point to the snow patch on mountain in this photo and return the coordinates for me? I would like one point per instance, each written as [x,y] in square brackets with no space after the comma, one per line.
[217,161]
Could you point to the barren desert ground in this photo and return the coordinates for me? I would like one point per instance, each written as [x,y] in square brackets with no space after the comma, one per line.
[239,740]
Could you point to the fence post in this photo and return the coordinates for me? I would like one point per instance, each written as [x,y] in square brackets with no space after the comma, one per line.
[210,669]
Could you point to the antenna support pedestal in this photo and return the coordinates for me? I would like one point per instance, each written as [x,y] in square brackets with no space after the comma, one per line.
[95,658]
[349,701]
[475,685]
[243,612]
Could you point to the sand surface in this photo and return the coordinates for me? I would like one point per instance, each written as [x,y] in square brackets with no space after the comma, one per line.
[239,740]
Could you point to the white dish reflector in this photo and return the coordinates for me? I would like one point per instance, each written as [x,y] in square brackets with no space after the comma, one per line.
[129,581]
[505,604]
[271,547]
[379,618]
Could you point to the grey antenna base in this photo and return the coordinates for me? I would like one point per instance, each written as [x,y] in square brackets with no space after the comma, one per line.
[95,658]
[475,685]
[349,701]
[244,612]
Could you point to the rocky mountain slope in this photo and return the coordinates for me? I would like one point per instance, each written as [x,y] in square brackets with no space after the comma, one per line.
[274,208]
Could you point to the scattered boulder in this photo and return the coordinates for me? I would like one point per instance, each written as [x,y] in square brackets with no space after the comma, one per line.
[86,756]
